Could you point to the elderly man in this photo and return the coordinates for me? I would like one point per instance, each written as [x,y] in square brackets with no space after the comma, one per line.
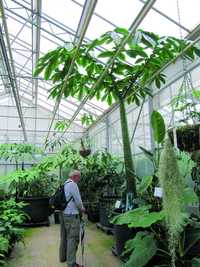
[70,220]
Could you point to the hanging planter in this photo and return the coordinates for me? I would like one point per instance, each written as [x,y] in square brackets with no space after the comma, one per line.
[188,137]
[84,152]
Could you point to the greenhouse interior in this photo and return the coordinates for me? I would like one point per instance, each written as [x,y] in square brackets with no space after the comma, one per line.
[99,133]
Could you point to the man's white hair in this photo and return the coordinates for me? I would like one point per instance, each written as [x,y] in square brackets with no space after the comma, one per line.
[73,173]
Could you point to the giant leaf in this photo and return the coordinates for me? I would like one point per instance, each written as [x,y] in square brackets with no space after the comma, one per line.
[143,248]
[140,217]
[158,126]
[196,262]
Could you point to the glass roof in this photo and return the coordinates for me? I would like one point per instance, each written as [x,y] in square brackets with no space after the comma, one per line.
[34,30]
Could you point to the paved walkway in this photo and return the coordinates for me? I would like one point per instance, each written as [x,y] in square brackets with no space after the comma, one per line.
[41,249]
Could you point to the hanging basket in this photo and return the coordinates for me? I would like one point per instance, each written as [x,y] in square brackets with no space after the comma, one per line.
[188,137]
[85,152]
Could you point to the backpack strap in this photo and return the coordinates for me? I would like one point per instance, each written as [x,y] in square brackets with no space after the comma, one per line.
[67,201]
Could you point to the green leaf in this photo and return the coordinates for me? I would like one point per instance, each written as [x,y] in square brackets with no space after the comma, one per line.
[196,262]
[106,54]
[189,196]
[196,94]
[38,70]
[122,31]
[197,51]
[158,126]
[157,82]
[140,217]
[4,244]
[144,184]
[143,247]
[109,99]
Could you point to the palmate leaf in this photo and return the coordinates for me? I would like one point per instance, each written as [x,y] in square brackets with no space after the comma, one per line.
[140,217]
[143,247]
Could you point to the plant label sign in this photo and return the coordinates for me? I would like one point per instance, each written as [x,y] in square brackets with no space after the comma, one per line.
[158,192]
[117,204]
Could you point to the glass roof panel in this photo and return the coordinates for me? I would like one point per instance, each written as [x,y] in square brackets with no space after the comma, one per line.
[66,12]
[189,11]
[121,13]
[158,24]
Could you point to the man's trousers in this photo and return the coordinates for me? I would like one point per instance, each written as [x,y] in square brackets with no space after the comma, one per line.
[69,238]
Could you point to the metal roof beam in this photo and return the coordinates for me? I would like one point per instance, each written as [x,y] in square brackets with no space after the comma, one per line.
[81,30]
[11,68]
[36,33]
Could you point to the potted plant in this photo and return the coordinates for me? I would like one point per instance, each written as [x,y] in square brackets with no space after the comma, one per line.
[84,152]
[33,186]
[188,129]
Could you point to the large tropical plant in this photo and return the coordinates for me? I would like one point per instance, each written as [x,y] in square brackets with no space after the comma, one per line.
[126,80]
[18,153]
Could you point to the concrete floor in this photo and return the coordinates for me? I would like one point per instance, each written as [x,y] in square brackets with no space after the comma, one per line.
[40,249]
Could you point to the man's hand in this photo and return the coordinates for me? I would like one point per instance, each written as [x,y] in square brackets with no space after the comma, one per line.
[83,210]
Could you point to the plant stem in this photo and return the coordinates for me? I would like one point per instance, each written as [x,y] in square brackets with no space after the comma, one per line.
[128,160]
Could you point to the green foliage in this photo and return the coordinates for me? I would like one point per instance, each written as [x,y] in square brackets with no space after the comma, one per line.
[31,182]
[195,262]
[61,125]
[144,184]
[142,248]
[4,245]
[140,217]
[11,218]
[158,126]
[87,119]
[102,175]
[18,152]
[147,51]
[183,104]
[185,164]
[173,187]
[196,94]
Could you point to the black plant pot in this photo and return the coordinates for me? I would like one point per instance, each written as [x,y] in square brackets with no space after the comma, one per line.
[122,234]
[85,152]
[104,217]
[191,234]
[188,137]
[37,209]
[93,213]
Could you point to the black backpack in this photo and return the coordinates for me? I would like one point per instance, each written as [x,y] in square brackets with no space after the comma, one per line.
[58,200]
